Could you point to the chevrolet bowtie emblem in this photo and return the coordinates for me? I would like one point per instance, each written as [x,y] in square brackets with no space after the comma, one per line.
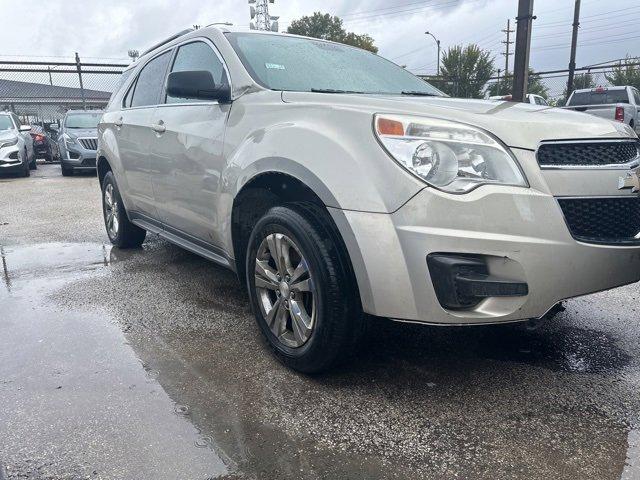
[631,181]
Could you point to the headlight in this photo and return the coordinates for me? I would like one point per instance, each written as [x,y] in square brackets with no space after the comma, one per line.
[68,141]
[9,143]
[451,156]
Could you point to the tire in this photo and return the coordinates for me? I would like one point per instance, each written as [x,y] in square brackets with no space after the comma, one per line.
[125,234]
[331,305]
[66,171]
[27,169]
[33,165]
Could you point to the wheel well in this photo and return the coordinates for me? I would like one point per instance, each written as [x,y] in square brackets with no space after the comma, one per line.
[103,167]
[256,198]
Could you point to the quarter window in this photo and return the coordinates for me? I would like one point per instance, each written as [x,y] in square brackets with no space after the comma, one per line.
[150,81]
[197,56]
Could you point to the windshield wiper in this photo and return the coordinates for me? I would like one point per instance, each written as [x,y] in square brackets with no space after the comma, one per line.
[419,94]
[331,90]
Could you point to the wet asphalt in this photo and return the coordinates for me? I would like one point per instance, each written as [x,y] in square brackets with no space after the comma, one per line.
[147,364]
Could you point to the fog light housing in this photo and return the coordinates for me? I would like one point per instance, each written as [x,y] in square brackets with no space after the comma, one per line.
[462,281]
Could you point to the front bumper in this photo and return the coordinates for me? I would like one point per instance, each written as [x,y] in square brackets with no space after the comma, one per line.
[78,158]
[521,233]
[11,160]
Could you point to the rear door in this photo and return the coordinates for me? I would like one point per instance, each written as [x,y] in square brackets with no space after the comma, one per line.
[187,151]
[135,134]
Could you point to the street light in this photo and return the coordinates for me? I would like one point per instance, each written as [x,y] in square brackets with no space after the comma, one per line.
[437,43]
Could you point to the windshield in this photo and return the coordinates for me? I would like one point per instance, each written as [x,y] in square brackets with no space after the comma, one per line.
[82,120]
[599,97]
[5,122]
[282,62]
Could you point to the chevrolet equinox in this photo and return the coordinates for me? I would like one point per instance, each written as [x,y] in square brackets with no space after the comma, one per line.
[338,185]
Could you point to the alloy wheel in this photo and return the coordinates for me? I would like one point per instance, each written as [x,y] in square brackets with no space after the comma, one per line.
[111,211]
[285,290]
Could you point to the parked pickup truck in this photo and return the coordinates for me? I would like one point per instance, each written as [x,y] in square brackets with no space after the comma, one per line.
[614,103]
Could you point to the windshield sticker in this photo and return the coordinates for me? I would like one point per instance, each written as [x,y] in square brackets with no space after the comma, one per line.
[274,66]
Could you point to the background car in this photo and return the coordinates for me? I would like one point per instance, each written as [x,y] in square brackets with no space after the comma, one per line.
[44,145]
[14,148]
[78,140]
[532,98]
[621,104]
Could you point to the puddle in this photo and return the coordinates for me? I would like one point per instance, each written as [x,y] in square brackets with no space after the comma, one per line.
[49,259]
[632,464]
[77,402]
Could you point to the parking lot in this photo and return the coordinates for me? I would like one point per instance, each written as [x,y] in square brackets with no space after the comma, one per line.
[148,364]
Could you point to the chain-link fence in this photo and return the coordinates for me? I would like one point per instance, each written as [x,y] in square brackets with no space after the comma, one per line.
[42,91]
[551,84]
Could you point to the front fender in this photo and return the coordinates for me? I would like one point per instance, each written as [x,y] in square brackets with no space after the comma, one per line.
[332,151]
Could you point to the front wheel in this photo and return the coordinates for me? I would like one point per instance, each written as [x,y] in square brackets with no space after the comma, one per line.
[122,233]
[302,291]
[33,165]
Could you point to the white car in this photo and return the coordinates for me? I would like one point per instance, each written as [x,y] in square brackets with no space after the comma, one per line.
[532,98]
[17,154]
[335,183]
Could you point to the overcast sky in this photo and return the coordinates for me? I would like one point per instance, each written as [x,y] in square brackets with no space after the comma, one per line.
[108,29]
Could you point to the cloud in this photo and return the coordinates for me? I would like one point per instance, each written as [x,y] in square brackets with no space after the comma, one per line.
[99,29]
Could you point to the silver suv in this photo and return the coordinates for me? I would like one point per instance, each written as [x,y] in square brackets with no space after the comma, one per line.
[336,184]
[78,141]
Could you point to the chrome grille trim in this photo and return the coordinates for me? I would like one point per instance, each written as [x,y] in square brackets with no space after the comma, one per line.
[89,143]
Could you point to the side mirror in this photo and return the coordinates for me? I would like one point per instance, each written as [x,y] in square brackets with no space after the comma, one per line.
[197,85]
[25,128]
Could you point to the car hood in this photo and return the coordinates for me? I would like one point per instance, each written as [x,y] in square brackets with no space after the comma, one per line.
[7,135]
[81,132]
[518,125]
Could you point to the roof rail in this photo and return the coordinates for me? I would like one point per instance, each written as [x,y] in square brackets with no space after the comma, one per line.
[171,38]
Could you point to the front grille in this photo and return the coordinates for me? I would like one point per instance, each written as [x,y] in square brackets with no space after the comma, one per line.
[89,162]
[603,220]
[89,143]
[588,154]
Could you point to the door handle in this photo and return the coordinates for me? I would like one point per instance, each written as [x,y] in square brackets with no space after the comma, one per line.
[118,123]
[159,127]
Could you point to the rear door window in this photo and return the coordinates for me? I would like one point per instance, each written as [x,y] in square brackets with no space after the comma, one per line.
[150,81]
[197,56]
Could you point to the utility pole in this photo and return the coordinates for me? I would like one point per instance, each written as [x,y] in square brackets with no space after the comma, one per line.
[507,44]
[79,67]
[523,46]
[574,44]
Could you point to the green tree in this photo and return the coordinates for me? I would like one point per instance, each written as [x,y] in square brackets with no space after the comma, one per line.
[623,75]
[465,71]
[534,86]
[326,27]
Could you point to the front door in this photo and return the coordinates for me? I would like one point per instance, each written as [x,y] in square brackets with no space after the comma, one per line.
[187,152]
